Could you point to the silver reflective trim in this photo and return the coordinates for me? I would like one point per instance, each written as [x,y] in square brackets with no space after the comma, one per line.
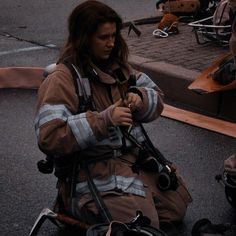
[145,81]
[78,124]
[115,137]
[82,130]
[87,86]
[126,184]
[50,112]
[152,103]
[79,82]
[137,133]
[84,134]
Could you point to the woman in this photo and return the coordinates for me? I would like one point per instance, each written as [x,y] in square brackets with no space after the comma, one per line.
[94,135]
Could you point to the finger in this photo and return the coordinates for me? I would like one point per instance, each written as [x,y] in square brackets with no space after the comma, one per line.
[124,110]
[132,107]
[125,124]
[126,103]
[118,103]
[130,98]
[133,100]
[126,115]
[136,103]
[126,119]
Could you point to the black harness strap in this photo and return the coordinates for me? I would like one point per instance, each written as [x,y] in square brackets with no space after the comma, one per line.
[156,153]
[82,89]
[103,210]
[86,102]
[74,75]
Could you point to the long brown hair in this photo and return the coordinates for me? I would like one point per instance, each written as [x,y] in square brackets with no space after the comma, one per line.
[83,23]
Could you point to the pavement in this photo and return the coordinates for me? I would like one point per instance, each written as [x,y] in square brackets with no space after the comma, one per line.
[175,62]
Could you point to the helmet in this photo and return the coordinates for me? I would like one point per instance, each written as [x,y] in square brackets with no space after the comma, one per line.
[229,179]
[230,189]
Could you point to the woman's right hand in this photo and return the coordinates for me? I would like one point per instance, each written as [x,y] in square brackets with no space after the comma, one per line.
[121,115]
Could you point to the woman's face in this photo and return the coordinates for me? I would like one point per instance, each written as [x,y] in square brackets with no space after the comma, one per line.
[103,40]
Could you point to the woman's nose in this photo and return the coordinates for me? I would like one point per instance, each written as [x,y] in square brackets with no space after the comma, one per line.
[111,42]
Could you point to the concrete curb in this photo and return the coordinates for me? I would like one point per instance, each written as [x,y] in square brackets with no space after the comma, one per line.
[174,81]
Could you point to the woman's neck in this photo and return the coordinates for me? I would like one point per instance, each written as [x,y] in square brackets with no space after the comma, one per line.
[102,64]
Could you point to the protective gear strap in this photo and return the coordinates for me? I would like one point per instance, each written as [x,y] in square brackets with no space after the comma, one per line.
[103,210]
[82,88]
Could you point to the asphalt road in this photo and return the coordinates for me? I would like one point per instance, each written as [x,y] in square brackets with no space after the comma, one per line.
[198,153]
[44,22]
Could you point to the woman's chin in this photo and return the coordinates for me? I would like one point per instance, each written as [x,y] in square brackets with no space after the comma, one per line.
[105,57]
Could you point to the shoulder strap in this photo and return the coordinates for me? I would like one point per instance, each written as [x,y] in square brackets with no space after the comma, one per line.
[147,145]
[82,88]
[83,91]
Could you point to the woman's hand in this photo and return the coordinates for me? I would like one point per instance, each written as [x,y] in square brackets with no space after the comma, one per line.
[121,115]
[133,101]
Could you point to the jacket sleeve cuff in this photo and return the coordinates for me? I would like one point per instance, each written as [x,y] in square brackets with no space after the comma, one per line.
[106,116]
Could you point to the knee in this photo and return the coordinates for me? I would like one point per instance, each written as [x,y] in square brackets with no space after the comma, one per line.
[177,212]
[173,204]
[181,201]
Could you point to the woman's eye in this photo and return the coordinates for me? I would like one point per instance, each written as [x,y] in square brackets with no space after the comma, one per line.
[103,37]
[107,37]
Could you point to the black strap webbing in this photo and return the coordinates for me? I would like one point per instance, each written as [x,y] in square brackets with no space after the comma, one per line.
[160,158]
[73,73]
[103,210]
[82,89]
[148,145]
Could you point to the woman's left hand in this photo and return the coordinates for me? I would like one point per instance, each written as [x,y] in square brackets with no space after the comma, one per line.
[133,101]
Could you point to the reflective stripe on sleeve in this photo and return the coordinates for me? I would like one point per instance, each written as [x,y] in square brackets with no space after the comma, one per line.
[152,104]
[82,130]
[126,184]
[78,123]
[50,112]
[145,81]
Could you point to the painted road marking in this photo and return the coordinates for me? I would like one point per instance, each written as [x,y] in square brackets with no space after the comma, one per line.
[3,53]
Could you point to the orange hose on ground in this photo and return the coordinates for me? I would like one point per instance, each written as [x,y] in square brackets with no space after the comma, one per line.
[21,77]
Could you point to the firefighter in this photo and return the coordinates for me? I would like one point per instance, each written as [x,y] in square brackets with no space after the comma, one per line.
[92,133]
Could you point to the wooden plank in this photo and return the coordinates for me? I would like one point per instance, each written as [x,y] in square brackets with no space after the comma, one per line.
[202,121]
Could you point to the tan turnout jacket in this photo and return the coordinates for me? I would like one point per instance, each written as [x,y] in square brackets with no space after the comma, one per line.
[61,131]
